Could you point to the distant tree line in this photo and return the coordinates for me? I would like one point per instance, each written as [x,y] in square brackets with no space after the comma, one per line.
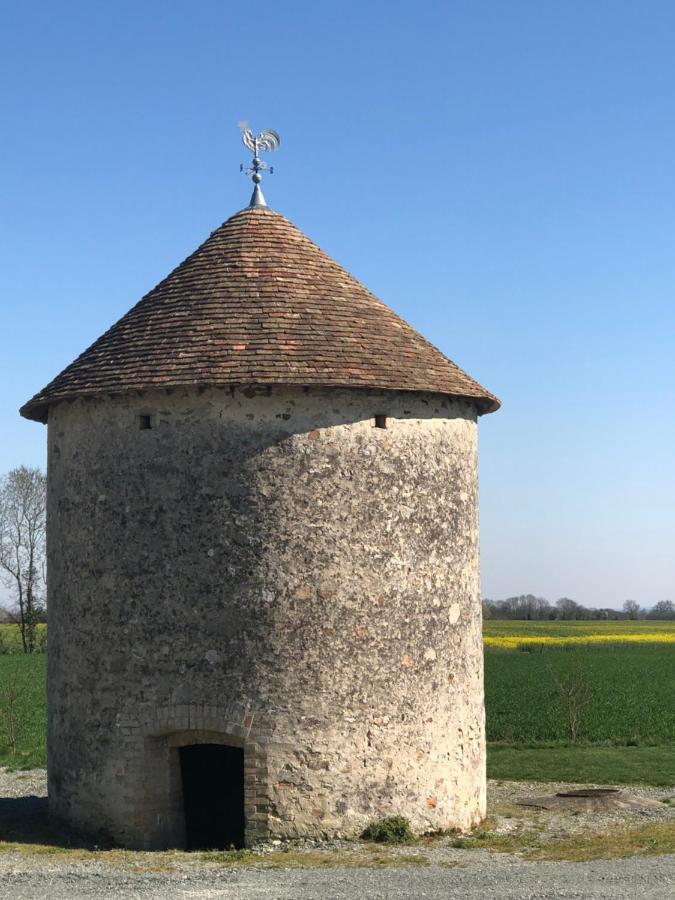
[527,606]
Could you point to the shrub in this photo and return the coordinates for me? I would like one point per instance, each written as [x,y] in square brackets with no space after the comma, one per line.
[390,830]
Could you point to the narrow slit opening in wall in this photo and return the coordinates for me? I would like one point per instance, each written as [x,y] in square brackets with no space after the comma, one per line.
[212,777]
[380,421]
[144,421]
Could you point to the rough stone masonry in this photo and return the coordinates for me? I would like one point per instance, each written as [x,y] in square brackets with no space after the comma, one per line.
[289,568]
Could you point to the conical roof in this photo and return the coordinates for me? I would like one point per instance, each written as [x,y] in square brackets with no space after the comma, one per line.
[259,303]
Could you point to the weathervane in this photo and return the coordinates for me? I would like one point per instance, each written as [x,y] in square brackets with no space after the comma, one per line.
[267,140]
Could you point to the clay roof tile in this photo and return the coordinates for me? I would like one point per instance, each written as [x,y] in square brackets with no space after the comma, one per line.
[259,303]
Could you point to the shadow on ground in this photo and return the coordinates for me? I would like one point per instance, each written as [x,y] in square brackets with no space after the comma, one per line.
[25,820]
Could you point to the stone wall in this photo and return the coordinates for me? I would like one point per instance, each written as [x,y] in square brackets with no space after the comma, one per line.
[265,568]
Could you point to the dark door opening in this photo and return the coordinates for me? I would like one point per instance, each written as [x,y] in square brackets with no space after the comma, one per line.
[213,796]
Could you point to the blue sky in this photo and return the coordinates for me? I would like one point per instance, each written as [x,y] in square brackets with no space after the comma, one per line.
[501,174]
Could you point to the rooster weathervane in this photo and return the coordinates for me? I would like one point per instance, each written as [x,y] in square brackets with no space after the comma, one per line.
[266,141]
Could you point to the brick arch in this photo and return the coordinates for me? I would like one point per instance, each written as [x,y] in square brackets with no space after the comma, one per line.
[202,717]
[180,726]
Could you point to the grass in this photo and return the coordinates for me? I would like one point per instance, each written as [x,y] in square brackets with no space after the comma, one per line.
[528,841]
[356,856]
[625,709]
[643,840]
[389,830]
[29,675]
[630,694]
[583,764]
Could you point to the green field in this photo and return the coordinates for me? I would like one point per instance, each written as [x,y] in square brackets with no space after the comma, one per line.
[586,763]
[27,675]
[625,716]
[627,694]
[615,679]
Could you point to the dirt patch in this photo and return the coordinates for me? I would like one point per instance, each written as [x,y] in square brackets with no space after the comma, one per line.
[646,805]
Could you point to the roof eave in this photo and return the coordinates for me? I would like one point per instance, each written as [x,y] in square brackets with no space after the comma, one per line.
[37,409]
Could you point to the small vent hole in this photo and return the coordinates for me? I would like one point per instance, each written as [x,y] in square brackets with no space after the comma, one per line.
[144,422]
[380,421]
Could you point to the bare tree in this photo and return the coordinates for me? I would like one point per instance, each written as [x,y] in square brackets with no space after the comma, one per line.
[631,608]
[567,609]
[22,546]
[10,697]
[574,690]
[664,609]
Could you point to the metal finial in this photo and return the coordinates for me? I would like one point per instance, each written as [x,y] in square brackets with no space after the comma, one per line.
[267,141]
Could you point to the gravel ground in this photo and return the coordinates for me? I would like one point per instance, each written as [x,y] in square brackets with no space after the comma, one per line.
[22,784]
[624,879]
[445,872]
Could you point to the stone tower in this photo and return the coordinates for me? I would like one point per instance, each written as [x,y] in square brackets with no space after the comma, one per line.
[264,613]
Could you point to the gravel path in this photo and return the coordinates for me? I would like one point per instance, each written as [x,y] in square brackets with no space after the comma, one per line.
[625,879]
[439,871]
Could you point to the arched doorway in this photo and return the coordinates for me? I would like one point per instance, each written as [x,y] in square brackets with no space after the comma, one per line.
[212,779]
[236,782]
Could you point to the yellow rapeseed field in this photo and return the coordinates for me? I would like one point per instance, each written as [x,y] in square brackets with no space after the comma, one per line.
[512,634]
[512,642]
